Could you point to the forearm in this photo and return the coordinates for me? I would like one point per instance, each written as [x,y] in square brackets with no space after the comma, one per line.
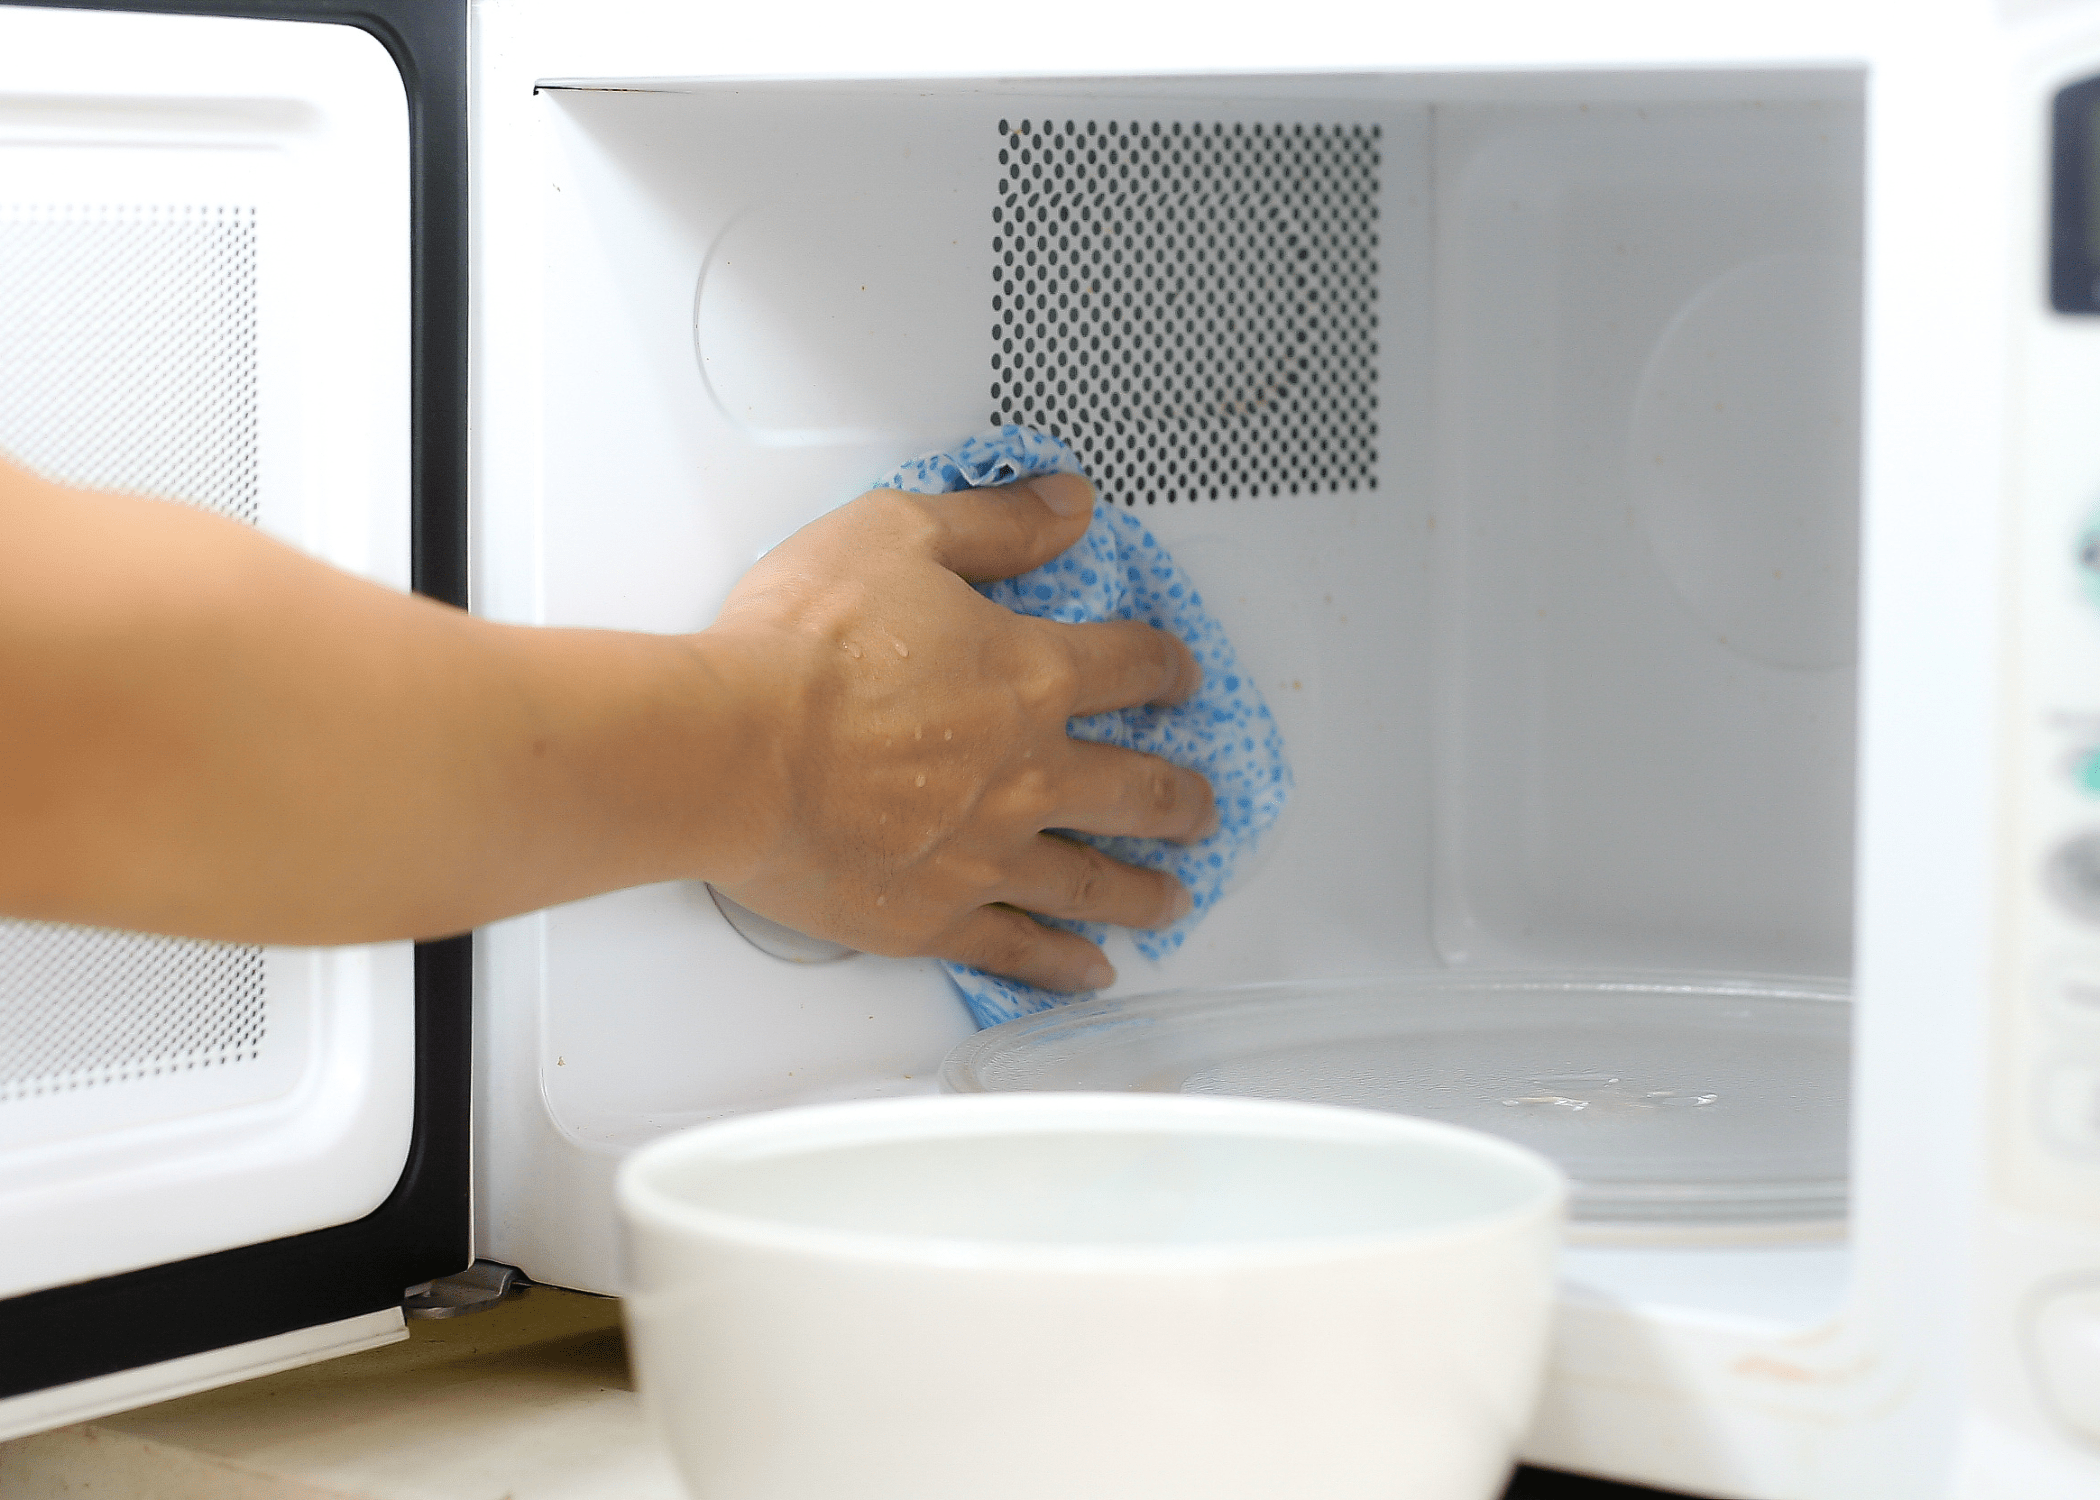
[207,733]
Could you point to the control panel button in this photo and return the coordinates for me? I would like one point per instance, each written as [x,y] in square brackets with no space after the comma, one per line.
[2065,1337]
[2070,1106]
[2073,874]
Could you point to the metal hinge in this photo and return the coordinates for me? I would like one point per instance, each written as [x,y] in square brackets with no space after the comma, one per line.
[476,1289]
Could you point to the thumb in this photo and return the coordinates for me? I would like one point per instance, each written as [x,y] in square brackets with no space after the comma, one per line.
[998,533]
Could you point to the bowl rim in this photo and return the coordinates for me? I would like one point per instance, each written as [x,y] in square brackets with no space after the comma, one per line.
[642,1202]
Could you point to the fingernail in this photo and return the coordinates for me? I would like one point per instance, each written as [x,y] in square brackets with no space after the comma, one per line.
[1066,494]
[1184,903]
[1099,975]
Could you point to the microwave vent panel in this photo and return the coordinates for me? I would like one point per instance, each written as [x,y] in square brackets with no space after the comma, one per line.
[1193,306]
[128,360]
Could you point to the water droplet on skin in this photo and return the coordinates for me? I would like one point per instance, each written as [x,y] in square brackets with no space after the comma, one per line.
[918,731]
[947,734]
[902,649]
[922,778]
[882,901]
[852,650]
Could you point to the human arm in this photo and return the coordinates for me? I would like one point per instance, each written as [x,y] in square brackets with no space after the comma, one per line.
[205,732]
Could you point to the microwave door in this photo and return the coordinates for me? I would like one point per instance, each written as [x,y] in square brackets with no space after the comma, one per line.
[232,274]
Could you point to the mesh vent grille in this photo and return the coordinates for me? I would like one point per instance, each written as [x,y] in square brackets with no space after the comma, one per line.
[128,349]
[80,1007]
[128,360]
[1192,306]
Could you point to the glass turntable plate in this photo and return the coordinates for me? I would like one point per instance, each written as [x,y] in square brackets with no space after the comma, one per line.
[1711,1103]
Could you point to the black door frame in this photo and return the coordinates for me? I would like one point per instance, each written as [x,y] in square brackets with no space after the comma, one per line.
[423,1229]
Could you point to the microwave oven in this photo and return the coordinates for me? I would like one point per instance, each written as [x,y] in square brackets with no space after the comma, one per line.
[1647,455]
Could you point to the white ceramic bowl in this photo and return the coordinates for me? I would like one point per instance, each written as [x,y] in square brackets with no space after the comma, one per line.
[1089,1297]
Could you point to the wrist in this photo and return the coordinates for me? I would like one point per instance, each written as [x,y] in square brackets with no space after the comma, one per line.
[746,699]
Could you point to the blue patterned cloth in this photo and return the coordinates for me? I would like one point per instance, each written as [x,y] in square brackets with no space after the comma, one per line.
[1118,571]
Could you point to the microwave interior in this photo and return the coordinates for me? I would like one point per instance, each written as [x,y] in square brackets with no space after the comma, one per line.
[1508,423]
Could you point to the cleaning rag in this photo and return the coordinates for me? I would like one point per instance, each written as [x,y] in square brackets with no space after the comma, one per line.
[1119,571]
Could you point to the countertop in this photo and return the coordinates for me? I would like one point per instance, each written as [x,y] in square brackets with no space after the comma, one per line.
[531,1400]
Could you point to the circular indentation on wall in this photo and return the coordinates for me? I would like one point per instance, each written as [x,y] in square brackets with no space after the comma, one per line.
[1745,457]
[809,338]
[775,939]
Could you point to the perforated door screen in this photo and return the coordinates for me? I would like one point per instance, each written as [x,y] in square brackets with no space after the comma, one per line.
[80,1007]
[130,341]
[1192,305]
[129,360]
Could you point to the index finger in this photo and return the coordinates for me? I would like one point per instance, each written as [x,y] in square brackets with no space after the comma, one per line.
[1004,531]
[1122,663]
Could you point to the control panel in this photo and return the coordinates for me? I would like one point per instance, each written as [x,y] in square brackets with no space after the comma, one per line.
[2035,1363]
[2047,1066]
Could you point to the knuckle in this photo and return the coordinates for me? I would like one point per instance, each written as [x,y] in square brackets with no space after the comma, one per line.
[1007,945]
[964,878]
[1085,885]
[980,877]
[1026,800]
[1035,792]
[1050,680]
[905,517]
[900,936]
[1163,790]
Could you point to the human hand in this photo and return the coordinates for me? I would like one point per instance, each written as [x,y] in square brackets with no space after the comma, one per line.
[919,752]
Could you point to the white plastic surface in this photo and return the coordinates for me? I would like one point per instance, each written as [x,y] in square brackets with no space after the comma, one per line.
[304,128]
[1647,391]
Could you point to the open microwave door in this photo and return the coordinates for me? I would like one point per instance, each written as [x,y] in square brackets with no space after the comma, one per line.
[231,274]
